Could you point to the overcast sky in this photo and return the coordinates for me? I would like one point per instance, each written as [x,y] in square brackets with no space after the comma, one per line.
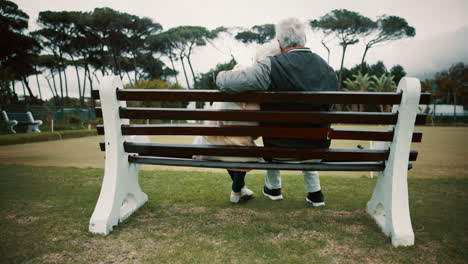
[441,26]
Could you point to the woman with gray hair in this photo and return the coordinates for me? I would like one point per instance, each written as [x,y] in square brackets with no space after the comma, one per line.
[297,68]
[239,189]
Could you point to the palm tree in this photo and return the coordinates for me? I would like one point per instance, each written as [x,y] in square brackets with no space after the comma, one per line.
[383,84]
[362,83]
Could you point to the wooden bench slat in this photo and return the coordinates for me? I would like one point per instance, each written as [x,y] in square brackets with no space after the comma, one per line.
[95,94]
[277,97]
[322,166]
[265,97]
[311,133]
[288,132]
[372,135]
[376,118]
[260,116]
[259,97]
[186,151]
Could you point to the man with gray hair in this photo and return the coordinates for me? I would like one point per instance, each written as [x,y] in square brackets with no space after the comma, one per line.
[296,68]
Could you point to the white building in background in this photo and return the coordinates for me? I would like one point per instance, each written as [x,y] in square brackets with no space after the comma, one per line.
[444,110]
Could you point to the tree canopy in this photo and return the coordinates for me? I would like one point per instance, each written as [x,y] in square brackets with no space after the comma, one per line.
[257,34]
[388,28]
[347,26]
[17,51]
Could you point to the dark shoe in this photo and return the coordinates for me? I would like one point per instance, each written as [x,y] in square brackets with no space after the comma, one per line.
[273,194]
[316,199]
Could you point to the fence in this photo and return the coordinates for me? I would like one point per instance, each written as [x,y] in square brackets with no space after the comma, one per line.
[63,118]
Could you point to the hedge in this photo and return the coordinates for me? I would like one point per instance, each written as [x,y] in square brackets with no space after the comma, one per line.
[44,136]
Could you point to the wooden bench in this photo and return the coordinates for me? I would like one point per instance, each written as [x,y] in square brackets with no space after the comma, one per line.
[23,120]
[121,194]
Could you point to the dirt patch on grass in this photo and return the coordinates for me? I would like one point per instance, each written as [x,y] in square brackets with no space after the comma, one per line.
[296,213]
[22,220]
[238,215]
[125,248]
[62,257]
[298,235]
[429,248]
[193,210]
[343,252]
[354,229]
[345,213]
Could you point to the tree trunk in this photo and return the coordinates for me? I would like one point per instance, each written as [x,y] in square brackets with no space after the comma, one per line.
[78,80]
[135,68]
[64,69]
[90,78]
[84,83]
[24,90]
[130,79]
[117,65]
[185,73]
[61,84]
[38,86]
[364,56]
[54,95]
[51,89]
[191,69]
[55,86]
[341,67]
[65,81]
[26,83]
[173,68]
[95,77]
[328,51]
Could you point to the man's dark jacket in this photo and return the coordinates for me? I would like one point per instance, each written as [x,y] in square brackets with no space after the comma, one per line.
[296,70]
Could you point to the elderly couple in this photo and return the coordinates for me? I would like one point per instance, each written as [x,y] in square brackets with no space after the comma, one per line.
[288,66]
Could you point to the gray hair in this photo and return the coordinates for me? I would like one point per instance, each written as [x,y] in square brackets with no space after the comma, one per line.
[290,32]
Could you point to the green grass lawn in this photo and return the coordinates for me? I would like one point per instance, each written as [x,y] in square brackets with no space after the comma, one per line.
[44,214]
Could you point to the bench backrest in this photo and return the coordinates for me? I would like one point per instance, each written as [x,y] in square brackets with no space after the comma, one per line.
[21,117]
[115,104]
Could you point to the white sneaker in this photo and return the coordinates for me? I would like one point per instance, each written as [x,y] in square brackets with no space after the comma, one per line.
[235,197]
[246,193]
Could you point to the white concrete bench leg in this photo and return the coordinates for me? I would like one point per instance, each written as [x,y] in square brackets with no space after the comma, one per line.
[389,205]
[35,126]
[378,145]
[121,194]
[10,123]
